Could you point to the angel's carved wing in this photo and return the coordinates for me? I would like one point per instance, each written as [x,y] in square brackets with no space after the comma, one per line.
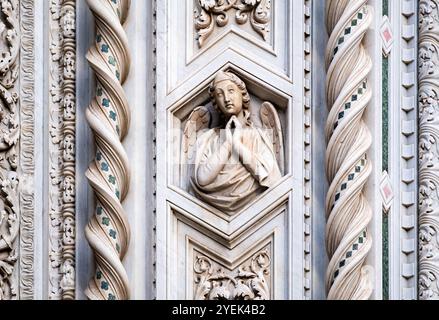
[198,121]
[270,121]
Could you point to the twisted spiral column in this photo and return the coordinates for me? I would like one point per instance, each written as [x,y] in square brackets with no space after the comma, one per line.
[108,116]
[348,168]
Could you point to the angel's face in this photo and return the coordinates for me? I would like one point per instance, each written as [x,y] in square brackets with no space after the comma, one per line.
[228,98]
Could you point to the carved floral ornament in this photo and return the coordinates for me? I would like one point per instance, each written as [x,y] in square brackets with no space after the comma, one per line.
[428,150]
[9,137]
[217,11]
[249,282]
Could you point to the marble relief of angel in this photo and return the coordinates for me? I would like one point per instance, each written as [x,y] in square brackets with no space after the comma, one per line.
[229,165]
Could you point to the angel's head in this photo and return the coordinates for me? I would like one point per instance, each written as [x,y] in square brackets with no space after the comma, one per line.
[229,93]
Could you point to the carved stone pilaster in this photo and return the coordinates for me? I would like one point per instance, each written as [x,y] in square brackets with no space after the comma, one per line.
[62,110]
[428,78]
[348,168]
[109,116]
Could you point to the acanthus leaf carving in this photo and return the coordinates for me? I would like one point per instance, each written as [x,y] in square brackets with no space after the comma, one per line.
[428,100]
[9,138]
[248,282]
[216,11]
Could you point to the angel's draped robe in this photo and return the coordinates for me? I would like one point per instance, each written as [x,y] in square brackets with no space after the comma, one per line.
[236,186]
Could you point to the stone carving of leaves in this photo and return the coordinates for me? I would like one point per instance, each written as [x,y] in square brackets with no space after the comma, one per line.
[249,283]
[217,11]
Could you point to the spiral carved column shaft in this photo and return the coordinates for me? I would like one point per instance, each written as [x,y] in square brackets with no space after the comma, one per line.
[108,116]
[348,168]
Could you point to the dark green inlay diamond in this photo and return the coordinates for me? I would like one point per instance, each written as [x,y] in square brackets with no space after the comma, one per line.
[104,166]
[104,285]
[112,234]
[106,102]
[340,115]
[111,60]
[106,221]
[112,115]
[112,179]
[105,48]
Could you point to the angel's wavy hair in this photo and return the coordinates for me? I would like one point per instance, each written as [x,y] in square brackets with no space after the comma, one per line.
[239,83]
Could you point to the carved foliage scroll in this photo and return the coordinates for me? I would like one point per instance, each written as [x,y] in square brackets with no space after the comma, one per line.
[428,149]
[217,12]
[9,139]
[249,282]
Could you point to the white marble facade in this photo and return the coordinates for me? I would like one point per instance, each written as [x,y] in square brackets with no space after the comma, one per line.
[117,116]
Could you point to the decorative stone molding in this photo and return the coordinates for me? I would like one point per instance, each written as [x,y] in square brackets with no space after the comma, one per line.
[428,149]
[62,110]
[108,116]
[251,281]
[11,157]
[402,150]
[348,167]
[27,143]
[307,155]
[217,11]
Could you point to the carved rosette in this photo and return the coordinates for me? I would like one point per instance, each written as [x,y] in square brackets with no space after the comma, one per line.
[348,168]
[9,139]
[108,116]
[428,149]
[249,282]
[217,12]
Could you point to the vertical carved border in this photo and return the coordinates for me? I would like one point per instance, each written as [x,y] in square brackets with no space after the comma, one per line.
[402,154]
[26,162]
[428,149]
[307,147]
[62,110]
[154,210]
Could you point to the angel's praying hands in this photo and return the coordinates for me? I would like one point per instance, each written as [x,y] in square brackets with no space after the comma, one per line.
[237,161]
